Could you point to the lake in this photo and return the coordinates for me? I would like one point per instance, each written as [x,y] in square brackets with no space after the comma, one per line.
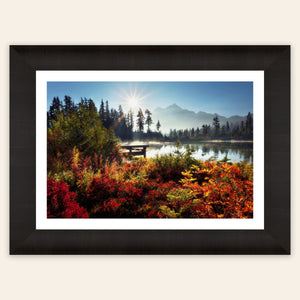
[236,151]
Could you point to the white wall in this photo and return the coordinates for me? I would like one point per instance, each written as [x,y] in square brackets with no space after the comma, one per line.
[148,22]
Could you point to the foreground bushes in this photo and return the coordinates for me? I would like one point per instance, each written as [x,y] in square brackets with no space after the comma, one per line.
[61,202]
[171,186]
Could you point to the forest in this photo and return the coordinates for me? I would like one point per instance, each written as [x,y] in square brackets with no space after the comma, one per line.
[123,124]
[89,176]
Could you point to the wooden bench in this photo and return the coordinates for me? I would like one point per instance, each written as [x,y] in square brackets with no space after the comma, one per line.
[135,150]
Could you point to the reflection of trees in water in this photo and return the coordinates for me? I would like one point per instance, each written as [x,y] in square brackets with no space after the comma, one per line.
[234,151]
[248,155]
[205,149]
[242,150]
[224,151]
[215,150]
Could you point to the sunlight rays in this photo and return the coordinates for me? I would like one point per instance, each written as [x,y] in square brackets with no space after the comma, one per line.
[133,97]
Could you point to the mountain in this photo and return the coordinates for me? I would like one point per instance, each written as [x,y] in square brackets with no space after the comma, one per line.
[175,117]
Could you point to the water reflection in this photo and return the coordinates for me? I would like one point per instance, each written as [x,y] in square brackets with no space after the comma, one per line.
[235,152]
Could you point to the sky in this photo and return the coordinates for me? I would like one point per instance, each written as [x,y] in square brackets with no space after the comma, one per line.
[224,98]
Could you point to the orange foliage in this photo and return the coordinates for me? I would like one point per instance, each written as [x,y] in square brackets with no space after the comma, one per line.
[137,190]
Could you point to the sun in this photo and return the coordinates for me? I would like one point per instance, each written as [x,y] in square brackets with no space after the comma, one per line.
[133,97]
[133,102]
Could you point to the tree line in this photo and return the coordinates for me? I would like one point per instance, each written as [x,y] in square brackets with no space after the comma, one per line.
[123,124]
[242,130]
[120,122]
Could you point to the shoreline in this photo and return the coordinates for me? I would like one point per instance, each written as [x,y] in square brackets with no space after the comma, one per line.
[153,142]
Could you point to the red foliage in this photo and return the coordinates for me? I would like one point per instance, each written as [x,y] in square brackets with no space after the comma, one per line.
[110,198]
[61,202]
[206,190]
[222,192]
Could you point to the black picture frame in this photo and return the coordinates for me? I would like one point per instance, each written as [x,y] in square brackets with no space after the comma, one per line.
[26,60]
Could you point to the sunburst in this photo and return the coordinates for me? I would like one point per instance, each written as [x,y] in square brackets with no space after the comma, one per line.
[133,97]
[133,102]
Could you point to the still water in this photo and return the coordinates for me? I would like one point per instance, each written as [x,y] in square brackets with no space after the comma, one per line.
[235,151]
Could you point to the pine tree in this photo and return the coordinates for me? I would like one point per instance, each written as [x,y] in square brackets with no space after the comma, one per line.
[249,123]
[92,107]
[131,119]
[216,124]
[148,119]
[158,125]
[55,107]
[186,133]
[129,126]
[140,121]
[107,120]
[192,132]
[227,127]
[69,105]
[120,111]
[121,121]
[101,111]
[180,133]
[205,129]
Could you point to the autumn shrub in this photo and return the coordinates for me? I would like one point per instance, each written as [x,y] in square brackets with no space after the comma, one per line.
[108,198]
[169,186]
[246,169]
[224,193]
[170,166]
[155,198]
[61,203]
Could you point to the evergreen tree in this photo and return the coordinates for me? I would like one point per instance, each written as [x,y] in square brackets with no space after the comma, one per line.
[113,118]
[216,124]
[121,129]
[68,105]
[205,129]
[180,133]
[158,125]
[249,123]
[102,111]
[192,132]
[107,120]
[129,126]
[55,107]
[227,127]
[120,112]
[131,119]
[185,133]
[92,107]
[140,120]
[148,119]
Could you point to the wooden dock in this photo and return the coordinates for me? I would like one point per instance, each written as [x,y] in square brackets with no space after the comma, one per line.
[135,150]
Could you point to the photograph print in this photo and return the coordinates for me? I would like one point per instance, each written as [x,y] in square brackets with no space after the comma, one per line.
[146,157]
[150,149]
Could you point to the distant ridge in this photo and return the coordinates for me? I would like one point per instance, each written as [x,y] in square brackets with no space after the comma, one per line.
[175,117]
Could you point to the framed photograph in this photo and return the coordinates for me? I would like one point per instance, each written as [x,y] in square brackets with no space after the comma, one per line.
[150,150]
